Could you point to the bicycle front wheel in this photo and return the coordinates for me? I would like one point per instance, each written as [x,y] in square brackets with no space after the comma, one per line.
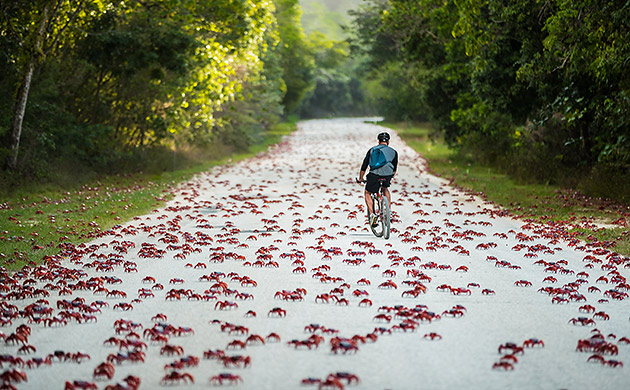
[385,218]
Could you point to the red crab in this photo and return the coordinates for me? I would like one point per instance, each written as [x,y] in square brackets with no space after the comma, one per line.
[272,337]
[584,321]
[225,305]
[170,350]
[311,381]
[26,349]
[13,375]
[512,347]
[214,354]
[254,339]
[123,306]
[390,273]
[80,385]
[530,343]
[277,312]
[116,294]
[225,377]
[388,284]
[614,363]
[460,291]
[383,317]
[345,376]
[159,318]
[343,345]
[600,315]
[236,361]
[325,298]
[175,377]
[236,344]
[503,366]
[596,358]
[365,302]
[104,369]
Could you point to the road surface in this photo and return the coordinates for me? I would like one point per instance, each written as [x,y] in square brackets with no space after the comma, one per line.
[291,223]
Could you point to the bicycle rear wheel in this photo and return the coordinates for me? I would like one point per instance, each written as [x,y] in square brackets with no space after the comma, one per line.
[385,218]
[377,229]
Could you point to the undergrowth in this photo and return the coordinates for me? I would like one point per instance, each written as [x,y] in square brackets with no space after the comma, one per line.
[590,218]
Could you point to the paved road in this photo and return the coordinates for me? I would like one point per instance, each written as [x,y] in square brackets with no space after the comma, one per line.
[251,224]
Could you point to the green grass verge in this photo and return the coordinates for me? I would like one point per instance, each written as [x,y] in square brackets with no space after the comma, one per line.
[34,219]
[538,202]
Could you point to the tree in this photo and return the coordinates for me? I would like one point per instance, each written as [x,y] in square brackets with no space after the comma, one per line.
[46,21]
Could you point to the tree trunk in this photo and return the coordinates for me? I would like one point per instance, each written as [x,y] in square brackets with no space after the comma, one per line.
[23,89]
[18,115]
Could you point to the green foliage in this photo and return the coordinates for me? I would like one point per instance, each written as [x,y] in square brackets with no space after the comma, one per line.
[539,88]
[115,80]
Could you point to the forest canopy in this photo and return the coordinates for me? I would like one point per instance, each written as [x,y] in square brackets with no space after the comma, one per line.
[539,88]
[100,83]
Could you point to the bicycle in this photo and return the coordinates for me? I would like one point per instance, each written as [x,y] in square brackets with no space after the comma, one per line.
[380,205]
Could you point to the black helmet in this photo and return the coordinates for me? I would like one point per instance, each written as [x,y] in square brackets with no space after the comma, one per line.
[383,137]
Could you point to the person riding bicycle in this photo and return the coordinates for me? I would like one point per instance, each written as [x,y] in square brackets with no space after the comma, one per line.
[386,171]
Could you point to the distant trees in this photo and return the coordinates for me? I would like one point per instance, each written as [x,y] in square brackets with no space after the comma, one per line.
[296,58]
[539,87]
[319,72]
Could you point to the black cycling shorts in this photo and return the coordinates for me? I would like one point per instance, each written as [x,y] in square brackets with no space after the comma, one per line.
[374,182]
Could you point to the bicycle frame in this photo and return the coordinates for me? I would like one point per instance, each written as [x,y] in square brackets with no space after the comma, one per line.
[380,205]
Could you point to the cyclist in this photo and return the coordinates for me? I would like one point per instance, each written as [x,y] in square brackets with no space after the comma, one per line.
[386,172]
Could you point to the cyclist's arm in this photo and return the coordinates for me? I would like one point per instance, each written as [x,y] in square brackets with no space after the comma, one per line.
[364,166]
[395,164]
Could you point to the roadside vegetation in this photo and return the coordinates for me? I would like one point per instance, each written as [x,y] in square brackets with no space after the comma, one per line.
[38,220]
[537,89]
[588,218]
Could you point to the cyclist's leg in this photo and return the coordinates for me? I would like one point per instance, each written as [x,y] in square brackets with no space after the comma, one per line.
[368,202]
[371,187]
